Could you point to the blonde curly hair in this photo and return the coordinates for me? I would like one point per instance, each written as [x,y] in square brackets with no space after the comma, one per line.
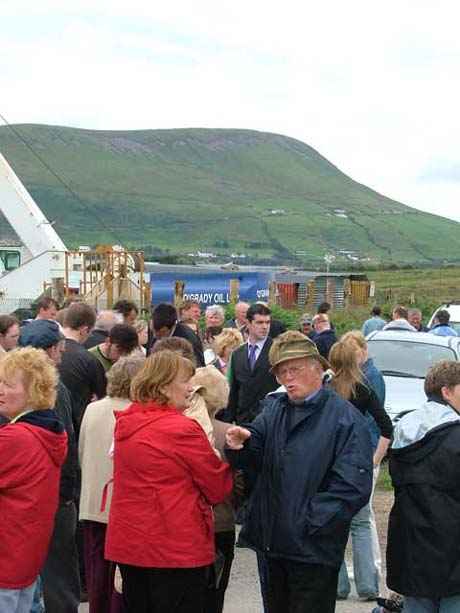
[39,375]
[229,338]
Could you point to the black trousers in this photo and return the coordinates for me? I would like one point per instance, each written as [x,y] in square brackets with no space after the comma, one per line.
[164,590]
[61,578]
[220,571]
[294,587]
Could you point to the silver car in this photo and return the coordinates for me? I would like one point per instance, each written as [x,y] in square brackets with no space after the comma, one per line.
[404,358]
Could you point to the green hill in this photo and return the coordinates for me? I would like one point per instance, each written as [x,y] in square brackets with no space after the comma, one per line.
[220,191]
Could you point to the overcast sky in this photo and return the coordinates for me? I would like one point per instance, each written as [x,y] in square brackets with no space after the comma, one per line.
[374,87]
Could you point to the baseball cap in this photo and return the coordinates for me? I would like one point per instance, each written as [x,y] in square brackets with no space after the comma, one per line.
[41,334]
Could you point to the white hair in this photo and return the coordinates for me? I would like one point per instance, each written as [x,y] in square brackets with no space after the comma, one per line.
[105,320]
[215,309]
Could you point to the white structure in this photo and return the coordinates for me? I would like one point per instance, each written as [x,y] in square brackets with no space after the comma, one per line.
[44,253]
[103,276]
[24,215]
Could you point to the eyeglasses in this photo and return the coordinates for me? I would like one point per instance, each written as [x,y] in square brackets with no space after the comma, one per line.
[294,371]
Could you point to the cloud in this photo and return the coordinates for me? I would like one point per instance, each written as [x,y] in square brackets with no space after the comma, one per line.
[373,88]
[441,172]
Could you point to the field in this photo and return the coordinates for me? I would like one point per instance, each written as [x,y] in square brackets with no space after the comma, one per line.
[428,287]
[425,289]
[171,192]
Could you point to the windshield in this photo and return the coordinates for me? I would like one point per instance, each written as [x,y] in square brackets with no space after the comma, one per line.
[403,358]
[455,325]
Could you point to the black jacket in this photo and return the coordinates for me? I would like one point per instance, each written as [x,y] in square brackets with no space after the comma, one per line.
[183,331]
[313,477]
[63,408]
[423,553]
[366,401]
[324,341]
[248,387]
[83,376]
[95,338]
[276,328]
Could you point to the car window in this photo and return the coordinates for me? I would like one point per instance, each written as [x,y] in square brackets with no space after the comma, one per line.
[408,358]
[455,325]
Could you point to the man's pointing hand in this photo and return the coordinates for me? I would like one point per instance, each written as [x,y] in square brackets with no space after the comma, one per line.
[236,436]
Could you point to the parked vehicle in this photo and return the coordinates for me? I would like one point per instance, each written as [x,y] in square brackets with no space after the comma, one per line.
[453,308]
[404,359]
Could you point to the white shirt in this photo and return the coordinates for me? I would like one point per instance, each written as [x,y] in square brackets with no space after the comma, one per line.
[259,345]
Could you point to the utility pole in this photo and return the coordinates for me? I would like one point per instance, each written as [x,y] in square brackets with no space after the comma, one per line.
[328,258]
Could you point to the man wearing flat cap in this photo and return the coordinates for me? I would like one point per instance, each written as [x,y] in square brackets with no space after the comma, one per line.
[313,455]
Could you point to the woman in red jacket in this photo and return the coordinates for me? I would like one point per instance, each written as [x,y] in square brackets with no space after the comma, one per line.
[166,479]
[33,447]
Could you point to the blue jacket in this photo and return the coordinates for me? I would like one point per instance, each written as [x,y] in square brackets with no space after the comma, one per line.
[443,330]
[377,383]
[373,324]
[312,478]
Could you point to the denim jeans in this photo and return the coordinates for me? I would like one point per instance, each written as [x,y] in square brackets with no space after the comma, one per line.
[38,604]
[17,601]
[366,554]
[365,570]
[425,605]
[375,537]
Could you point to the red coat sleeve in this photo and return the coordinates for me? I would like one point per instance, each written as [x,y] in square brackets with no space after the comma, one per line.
[212,476]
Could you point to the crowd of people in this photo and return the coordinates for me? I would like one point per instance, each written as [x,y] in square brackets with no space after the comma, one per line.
[131,447]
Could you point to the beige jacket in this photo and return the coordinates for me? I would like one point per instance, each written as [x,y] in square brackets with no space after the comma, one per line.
[96,438]
[198,411]
[210,394]
[213,386]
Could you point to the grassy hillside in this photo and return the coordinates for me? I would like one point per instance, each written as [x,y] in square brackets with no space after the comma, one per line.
[216,190]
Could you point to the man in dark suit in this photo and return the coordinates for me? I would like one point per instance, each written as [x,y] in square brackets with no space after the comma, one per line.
[164,323]
[276,326]
[250,376]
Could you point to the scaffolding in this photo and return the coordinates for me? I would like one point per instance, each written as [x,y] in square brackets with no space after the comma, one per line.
[107,275]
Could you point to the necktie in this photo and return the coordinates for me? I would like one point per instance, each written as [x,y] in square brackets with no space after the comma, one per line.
[252,356]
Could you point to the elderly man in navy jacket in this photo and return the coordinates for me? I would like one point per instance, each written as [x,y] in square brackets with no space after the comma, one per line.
[313,455]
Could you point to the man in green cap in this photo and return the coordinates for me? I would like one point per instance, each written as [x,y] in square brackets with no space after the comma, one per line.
[312,453]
